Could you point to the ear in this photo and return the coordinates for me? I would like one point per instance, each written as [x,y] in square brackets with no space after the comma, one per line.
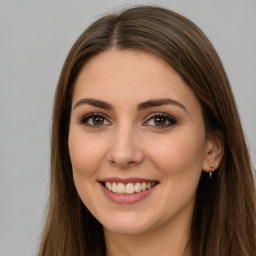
[213,151]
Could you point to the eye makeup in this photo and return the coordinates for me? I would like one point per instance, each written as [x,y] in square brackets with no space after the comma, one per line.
[94,120]
[160,120]
[157,120]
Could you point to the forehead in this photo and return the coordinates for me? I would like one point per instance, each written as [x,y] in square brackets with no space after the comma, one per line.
[130,77]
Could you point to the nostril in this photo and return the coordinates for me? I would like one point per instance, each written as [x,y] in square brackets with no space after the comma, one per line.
[125,156]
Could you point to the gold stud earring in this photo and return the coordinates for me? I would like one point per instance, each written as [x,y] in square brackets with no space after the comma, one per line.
[210,174]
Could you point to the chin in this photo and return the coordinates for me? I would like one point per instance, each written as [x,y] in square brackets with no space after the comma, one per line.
[128,225]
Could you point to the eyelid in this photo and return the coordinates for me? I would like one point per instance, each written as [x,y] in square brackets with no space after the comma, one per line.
[85,118]
[172,120]
[169,118]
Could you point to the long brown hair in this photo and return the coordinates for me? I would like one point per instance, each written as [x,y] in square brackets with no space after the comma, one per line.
[224,218]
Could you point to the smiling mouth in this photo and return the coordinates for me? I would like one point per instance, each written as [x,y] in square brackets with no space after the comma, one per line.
[128,188]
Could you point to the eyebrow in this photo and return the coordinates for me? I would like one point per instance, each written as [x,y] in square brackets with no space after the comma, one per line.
[94,102]
[141,106]
[160,102]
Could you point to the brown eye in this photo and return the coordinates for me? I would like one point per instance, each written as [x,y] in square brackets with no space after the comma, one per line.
[160,121]
[98,120]
[95,120]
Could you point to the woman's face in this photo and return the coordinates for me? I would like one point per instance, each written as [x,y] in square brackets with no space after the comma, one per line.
[137,142]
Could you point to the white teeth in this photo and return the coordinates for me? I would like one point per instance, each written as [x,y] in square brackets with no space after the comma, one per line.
[148,186]
[108,185]
[129,188]
[120,188]
[137,187]
[114,187]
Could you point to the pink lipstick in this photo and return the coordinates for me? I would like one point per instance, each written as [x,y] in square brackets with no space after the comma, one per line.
[127,191]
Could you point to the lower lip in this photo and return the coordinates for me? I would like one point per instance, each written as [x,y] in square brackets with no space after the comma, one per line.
[124,198]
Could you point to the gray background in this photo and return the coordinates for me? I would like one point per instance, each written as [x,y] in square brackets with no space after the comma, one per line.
[35,37]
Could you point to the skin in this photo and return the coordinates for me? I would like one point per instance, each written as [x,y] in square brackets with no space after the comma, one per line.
[130,143]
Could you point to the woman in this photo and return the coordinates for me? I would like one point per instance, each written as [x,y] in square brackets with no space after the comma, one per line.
[148,153]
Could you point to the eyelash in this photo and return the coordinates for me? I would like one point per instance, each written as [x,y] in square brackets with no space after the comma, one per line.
[167,118]
[84,120]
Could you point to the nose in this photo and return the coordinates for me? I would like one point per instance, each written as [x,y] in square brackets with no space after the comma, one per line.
[124,150]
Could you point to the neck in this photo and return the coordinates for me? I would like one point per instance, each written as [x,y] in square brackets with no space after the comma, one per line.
[171,241]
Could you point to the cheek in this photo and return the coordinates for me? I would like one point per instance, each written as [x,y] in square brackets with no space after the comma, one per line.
[85,154]
[179,154]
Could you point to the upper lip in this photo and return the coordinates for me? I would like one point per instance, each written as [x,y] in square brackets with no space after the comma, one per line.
[126,180]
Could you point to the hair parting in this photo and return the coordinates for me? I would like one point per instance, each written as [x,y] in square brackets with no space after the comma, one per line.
[224,218]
